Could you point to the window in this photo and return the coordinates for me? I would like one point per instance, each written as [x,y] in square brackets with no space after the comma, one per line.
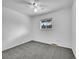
[46,24]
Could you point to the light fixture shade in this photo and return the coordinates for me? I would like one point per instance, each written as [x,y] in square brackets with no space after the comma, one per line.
[35,10]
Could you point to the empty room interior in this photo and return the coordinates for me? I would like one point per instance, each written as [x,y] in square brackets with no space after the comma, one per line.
[38,29]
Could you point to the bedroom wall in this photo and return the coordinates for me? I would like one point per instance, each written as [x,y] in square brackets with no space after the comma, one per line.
[62,33]
[15,28]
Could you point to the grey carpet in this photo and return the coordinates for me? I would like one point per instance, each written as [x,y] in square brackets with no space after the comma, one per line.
[37,50]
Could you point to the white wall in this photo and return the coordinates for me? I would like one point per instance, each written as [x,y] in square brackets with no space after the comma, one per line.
[16,28]
[74,28]
[62,33]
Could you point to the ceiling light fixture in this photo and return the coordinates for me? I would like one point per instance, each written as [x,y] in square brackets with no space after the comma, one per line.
[35,10]
[36,7]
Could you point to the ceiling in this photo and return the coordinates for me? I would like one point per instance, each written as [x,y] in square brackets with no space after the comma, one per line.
[50,5]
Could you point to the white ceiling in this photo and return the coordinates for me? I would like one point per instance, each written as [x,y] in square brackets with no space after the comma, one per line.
[50,5]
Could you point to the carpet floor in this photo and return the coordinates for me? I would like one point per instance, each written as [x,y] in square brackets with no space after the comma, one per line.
[37,50]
